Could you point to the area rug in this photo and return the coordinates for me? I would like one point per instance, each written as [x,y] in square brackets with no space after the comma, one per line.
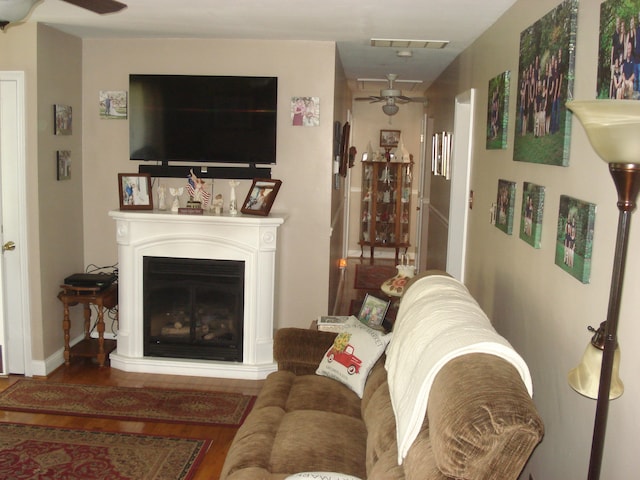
[371,277]
[123,403]
[34,452]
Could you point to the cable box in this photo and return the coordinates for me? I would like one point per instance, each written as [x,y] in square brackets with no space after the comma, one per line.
[97,280]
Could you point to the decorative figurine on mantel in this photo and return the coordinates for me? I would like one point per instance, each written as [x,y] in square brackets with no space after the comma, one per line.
[199,196]
[233,205]
[176,193]
[217,204]
[162,192]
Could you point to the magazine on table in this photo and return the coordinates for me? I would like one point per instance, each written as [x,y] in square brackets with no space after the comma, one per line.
[332,323]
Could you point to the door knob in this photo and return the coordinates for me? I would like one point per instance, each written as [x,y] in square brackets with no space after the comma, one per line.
[8,246]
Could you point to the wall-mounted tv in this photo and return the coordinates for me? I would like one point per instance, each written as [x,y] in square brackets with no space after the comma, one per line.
[200,118]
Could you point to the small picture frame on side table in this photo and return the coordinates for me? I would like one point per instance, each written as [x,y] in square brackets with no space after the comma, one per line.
[135,191]
[373,310]
[261,196]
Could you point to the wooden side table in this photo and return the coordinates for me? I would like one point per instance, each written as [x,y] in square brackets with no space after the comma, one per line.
[87,296]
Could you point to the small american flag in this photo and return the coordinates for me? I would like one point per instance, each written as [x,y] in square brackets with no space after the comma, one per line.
[198,192]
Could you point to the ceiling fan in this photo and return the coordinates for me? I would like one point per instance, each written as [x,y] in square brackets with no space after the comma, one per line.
[15,10]
[391,95]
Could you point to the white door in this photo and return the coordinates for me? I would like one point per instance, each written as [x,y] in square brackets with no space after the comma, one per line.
[423,195]
[14,312]
[460,181]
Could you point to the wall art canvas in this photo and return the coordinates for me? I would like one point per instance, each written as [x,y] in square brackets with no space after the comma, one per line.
[531,215]
[113,104]
[574,242]
[505,205]
[497,111]
[545,83]
[62,119]
[305,111]
[63,158]
[619,50]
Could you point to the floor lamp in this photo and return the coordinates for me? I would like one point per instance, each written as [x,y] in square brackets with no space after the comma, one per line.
[613,128]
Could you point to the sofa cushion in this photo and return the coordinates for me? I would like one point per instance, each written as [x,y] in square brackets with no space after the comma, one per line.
[309,440]
[353,353]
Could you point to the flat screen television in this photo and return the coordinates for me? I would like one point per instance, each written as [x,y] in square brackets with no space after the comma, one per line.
[200,118]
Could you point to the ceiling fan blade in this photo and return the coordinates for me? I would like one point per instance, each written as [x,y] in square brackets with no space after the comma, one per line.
[98,6]
[371,99]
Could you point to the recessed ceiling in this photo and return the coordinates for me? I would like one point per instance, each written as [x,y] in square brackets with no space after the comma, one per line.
[352,25]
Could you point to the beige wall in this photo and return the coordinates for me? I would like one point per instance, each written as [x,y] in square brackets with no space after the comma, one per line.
[60,202]
[368,120]
[542,310]
[53,74]
[68,221]
[303,153]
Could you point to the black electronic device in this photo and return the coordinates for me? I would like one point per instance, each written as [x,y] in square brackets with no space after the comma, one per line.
[91,280]
[201,118]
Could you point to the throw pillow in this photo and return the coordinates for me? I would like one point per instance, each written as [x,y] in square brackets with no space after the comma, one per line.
[353,354]
[322,476]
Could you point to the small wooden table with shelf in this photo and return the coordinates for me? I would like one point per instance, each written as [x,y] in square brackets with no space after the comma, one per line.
[87,296]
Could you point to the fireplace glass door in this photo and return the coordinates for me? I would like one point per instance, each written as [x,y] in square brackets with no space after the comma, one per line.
[193,308]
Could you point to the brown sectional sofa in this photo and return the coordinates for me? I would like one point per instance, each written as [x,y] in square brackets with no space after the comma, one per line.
[480,422]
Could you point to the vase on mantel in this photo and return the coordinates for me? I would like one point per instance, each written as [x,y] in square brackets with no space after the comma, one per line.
[233,205]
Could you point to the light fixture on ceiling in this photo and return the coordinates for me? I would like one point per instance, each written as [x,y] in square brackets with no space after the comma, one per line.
[390,108]
[404,53]
[12,11]
[405,44]
[612,128]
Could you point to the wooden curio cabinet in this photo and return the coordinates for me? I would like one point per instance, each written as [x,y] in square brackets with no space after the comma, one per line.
[385,211]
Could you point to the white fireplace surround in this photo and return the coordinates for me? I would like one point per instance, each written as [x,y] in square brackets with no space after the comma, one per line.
[251,239]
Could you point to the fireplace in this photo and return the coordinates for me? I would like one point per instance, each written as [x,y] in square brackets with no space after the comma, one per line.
[199,240]
[193,308]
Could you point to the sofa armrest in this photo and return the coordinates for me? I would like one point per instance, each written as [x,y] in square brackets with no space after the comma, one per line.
[300,350]
[482,422]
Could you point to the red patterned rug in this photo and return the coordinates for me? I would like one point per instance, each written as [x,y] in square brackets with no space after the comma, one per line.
[371,277]
[33,452]
[123,403]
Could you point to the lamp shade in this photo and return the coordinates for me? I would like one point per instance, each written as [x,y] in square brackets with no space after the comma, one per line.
[14,10]
[585,378]
[612,127]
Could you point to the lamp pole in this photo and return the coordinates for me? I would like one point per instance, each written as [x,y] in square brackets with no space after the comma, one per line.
[627,181]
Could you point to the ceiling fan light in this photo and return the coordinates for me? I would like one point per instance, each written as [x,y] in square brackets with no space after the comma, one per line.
[14,11]
[390,109]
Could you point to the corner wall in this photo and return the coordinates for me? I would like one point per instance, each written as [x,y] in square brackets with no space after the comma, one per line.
[52,65]
[542,310]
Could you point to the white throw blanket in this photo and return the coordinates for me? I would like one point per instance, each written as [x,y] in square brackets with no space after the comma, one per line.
[438,320]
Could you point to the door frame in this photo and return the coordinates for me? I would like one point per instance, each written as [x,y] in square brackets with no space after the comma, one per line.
[17,341]
[460,182]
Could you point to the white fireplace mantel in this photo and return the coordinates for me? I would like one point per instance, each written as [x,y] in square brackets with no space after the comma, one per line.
[251,239]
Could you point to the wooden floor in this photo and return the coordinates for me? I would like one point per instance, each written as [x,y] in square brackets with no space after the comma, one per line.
[85,371]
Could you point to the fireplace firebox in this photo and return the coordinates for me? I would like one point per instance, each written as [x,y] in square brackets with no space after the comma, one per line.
[193,308]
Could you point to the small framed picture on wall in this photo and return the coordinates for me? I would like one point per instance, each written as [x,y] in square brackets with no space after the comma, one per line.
[62,119]
[63,158]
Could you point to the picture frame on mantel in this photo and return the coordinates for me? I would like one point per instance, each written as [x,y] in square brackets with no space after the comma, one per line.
[135,191]
[261,196]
